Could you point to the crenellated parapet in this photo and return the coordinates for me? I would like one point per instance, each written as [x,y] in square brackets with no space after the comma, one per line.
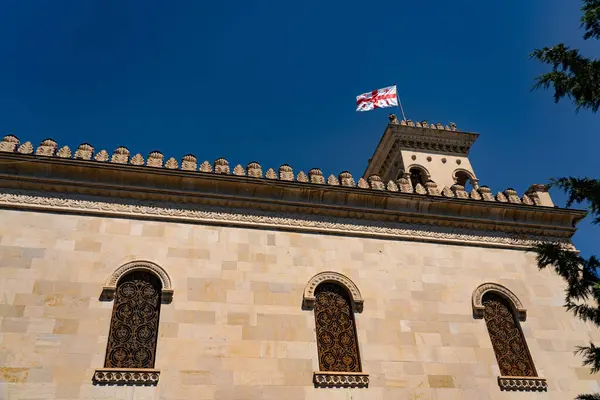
[121,155]
[125,184]
[423,124]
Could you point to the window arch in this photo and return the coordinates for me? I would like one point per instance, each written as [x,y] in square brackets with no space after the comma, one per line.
[418,175]
[134,324]
[110,286]
[462,176]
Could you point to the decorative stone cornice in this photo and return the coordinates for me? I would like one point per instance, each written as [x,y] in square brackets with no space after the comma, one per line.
[126,376]
[432,143]
[522,383]
[170,211]
[341,379]
[432,137]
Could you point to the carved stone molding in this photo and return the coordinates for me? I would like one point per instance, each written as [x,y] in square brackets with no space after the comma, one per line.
[326,379]
[110,287]
[172,211]
[308,300]
[126,376]
[522,383]
[515,303]
[432,140]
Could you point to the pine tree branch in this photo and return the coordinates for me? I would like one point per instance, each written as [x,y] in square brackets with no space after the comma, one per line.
[578,78]
[573,76]
[585,312]
[590,20]
[591,356]
[581,190]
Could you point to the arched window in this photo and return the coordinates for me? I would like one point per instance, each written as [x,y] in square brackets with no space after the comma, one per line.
[507,338]
[464,178]
[417,175]
[502,310]
[134,324]
[336,330]
[334,299]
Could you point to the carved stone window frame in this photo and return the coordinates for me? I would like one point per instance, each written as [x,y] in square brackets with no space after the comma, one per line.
[334,379]
[308,299]
[426,174]
[110,286]
[513,300]
[508,383]
[132,376]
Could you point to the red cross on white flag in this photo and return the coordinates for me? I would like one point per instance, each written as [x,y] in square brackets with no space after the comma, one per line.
[381,98]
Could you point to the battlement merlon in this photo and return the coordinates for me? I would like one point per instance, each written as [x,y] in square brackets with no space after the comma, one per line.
[54,179]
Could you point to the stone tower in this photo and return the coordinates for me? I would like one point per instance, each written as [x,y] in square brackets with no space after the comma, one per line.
[423,152]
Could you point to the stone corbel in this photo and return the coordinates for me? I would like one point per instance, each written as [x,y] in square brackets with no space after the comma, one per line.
[108,293]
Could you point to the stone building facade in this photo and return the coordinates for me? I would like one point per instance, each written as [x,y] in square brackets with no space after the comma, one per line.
[124,277]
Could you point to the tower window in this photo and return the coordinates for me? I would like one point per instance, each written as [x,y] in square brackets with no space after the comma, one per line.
[417,175]
[462,178]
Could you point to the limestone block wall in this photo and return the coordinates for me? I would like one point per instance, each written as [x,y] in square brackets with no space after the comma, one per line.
[235,328]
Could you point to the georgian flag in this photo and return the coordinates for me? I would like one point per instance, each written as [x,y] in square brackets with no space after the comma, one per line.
[381,98]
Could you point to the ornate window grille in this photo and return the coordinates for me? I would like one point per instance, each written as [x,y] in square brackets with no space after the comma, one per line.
[336,330]
[513,356]
[334,299]
[507,338]
[502,311]
[134,323]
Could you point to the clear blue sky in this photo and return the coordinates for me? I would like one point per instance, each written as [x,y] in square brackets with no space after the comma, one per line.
[276,81]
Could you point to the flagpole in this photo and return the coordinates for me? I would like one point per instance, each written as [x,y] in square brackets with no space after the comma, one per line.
[400,104]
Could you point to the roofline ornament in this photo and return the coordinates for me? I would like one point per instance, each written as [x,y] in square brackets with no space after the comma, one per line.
[84,157]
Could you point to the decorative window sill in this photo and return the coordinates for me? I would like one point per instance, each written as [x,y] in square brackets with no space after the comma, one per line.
[523,383]
[326,379]
[127,376]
